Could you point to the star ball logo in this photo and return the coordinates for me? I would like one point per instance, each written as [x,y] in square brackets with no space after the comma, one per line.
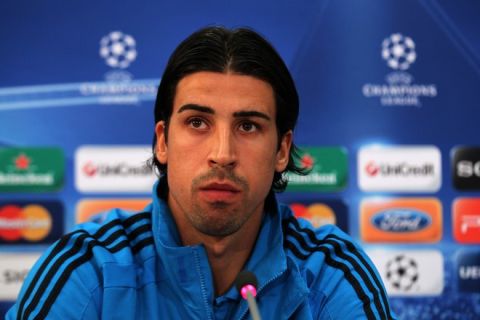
[118,49]
[399,52]
[410,272]
[402,272]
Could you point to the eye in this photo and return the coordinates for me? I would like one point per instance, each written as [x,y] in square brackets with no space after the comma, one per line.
[248,126]
[197,123]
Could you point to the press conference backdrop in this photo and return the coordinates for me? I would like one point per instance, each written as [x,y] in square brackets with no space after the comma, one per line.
[390,95]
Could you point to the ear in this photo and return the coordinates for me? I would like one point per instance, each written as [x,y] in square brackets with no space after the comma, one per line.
[161,147]
[283,153]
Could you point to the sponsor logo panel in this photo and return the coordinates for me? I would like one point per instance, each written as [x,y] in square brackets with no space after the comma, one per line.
[468,271]
[24,222]
[401,169]
[31,169]
[96,209]
[13,270]
[401,220]
[466,220]
[410,272]
[328,170]
[466,168]
[113,169]
[322,212]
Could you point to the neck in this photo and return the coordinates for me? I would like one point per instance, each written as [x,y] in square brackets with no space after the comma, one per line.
[227,257]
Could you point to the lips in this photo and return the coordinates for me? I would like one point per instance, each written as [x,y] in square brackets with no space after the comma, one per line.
[218,191]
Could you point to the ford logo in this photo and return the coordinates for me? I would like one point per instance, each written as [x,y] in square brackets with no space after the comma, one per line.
[401,220]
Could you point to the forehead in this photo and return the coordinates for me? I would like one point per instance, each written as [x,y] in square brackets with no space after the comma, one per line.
[224,91]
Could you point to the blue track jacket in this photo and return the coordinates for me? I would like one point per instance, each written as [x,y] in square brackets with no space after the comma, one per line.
[134,267]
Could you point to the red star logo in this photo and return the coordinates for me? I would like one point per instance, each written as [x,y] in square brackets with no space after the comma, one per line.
[307,161]
[22,162]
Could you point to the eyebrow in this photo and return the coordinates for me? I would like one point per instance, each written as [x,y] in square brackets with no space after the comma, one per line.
[247,114]
[195,107]
[237,114]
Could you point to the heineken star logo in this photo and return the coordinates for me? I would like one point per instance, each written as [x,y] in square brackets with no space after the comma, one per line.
[307,161]
[22,162]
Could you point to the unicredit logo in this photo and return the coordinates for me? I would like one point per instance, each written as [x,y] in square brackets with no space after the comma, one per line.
[91,169]
[400,169]
[113,169]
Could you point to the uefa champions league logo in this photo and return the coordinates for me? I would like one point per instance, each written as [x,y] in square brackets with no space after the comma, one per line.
[399,88]
[118,49]
[399,51]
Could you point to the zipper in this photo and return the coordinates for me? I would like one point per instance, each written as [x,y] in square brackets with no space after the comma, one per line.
[202,283]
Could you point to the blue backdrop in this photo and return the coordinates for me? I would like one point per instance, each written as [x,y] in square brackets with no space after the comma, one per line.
[57,90]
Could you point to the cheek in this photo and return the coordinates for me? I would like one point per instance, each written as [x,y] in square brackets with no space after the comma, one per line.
[184,155]
[259,163]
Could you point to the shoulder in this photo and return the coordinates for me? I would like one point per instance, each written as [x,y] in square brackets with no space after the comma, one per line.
[118,239]
[336,269]
[70,272]
[326,246]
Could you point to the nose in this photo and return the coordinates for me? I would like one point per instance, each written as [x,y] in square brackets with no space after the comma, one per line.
[222,148]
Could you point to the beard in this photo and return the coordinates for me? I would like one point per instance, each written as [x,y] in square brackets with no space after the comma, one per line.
[219,218]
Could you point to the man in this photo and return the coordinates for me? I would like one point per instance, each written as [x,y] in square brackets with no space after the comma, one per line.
[225,113]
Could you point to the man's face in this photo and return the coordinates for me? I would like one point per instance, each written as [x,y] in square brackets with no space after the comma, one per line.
[222,150]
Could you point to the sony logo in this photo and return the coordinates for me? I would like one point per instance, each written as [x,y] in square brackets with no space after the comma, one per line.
[467,169]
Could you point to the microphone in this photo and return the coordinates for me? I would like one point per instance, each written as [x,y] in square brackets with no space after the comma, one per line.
[246,284]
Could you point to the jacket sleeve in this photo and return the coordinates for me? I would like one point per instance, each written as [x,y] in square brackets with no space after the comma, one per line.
[55,289]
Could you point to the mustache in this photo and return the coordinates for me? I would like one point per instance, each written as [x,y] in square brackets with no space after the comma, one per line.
[220,174]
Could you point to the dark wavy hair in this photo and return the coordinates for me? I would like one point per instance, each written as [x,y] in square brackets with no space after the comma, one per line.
[241,51]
